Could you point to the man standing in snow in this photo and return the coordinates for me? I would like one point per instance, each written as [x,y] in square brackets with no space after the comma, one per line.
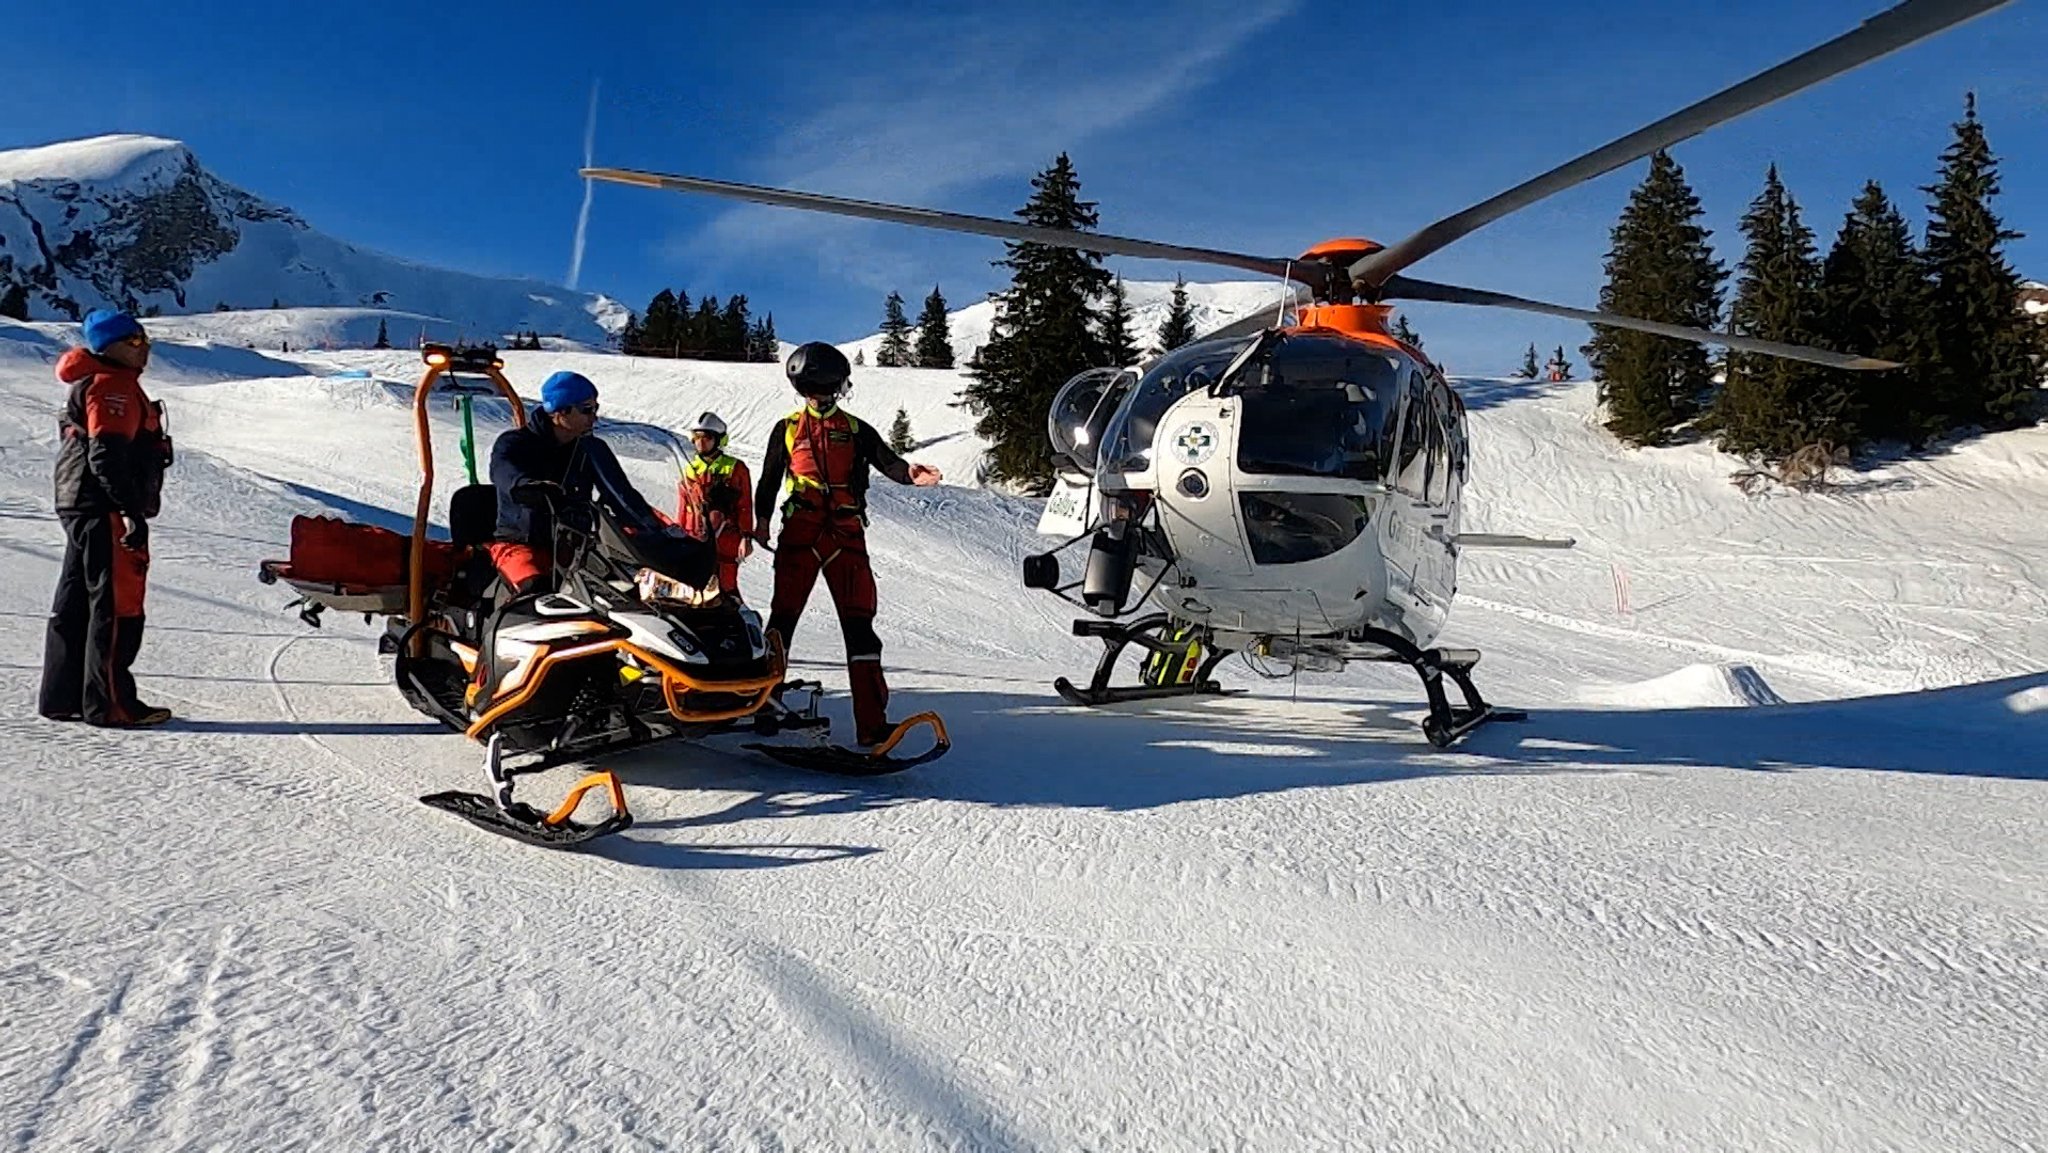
[556,451]
[826,454]
[715,499]
[110,478]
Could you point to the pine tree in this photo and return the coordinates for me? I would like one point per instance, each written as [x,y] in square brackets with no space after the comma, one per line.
[1985,353]
[1405,334]
[1179,327]
[383,337]
[1529,367]
[630,336]
[895,349]
[860,357]
[1770,406]
[700,333]
[1872,297]
[1560,368]
[1658,268]
[14,303]
[1115,327]
[731,335]
[934,333]
[899,433]
[1043,332]
[661,329]
[761,343]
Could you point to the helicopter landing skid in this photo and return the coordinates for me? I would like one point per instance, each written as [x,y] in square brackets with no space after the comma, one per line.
[1446,722]
[1115,639]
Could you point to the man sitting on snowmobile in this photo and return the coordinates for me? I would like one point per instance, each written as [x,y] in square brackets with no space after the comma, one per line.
[715,500]
[553,466]
[826,454]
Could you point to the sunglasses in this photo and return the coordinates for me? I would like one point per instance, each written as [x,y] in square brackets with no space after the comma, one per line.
[587,408]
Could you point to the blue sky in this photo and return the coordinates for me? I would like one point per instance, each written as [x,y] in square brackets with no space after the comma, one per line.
[450,133]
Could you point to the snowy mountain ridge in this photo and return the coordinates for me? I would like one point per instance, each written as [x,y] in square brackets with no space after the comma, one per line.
[135,222]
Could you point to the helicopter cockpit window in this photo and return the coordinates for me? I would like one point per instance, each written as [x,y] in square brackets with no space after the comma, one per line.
[1081,412]
[1292,527]
[1317,406]
[1178,373]
[1412,472]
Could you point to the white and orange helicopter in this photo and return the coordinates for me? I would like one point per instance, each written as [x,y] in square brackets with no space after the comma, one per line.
[1288,486]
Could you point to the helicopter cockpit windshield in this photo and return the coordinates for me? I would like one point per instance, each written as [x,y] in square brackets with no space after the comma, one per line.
[1082,410]
[1322,406]
[1130,432]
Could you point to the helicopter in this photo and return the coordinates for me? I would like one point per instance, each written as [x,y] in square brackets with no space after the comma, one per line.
[1288,486]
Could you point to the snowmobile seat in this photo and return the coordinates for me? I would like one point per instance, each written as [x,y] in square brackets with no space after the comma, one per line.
[473,514]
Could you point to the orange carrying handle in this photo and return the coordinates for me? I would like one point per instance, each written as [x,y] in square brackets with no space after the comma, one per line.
[416,579]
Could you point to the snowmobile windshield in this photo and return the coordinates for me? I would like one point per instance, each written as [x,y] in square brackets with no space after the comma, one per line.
[1316,405]
[1080,414]
[1182,371]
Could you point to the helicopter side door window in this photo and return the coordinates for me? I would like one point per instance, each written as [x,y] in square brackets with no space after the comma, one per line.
[1439,485]
[1412,474]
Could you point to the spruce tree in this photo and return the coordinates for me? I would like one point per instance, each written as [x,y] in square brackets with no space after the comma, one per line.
[1985,352]
[895,349]
[662,327]
[1115,327]
[383,337]
[1406,334]
[700,334]
[860,357]
[14,303]
[1558,365]
[1043,332]
[1770,406]
[1179,326]
[899,433]
[630,336]
[731,336]
[1872,297]
[761,344]
[1529,367]
[934,333]
[1658,268]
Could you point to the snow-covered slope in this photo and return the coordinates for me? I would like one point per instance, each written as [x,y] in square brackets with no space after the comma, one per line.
[1762,870]
[136,222]
[1211,304]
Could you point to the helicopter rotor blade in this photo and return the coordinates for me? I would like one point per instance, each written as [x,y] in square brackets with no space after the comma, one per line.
[1277,267]
[1888,31]
[1409,288]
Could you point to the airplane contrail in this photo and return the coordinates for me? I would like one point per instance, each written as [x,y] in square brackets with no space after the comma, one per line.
[589,160]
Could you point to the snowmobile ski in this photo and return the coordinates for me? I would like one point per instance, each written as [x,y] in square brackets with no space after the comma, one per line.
[524,823]
[501,814]
[876,762]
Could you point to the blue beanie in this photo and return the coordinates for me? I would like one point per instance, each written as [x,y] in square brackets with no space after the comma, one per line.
[565,390]
[104,326]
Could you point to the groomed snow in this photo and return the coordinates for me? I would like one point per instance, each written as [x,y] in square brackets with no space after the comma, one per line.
[1763,870]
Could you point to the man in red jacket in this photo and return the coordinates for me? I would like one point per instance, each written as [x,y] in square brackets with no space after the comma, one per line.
[110,476]
[715,499]
[827,454]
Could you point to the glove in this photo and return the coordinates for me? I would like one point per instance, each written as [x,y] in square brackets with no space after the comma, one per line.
[134,533]
[538,494]
[924,475]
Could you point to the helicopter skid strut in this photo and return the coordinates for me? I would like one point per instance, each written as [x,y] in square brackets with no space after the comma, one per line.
[1115,638]
[1446,722]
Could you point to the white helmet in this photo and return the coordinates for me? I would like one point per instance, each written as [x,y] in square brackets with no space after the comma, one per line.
[709,422]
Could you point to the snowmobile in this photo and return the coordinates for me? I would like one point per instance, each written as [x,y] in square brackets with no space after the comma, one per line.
[617,654]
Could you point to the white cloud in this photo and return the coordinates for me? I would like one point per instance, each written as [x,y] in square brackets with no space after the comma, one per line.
[951,102]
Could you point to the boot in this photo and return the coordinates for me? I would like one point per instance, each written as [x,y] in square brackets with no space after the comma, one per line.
[870,700]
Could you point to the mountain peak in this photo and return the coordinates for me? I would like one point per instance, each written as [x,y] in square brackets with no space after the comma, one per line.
[128,160]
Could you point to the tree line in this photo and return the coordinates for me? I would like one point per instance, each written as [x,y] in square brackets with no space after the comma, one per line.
[672,327]
[1946,307]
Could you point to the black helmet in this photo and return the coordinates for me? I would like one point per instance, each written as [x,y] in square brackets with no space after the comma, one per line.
[818,369]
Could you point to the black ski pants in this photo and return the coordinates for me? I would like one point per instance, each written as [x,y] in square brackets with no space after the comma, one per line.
[95,625]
